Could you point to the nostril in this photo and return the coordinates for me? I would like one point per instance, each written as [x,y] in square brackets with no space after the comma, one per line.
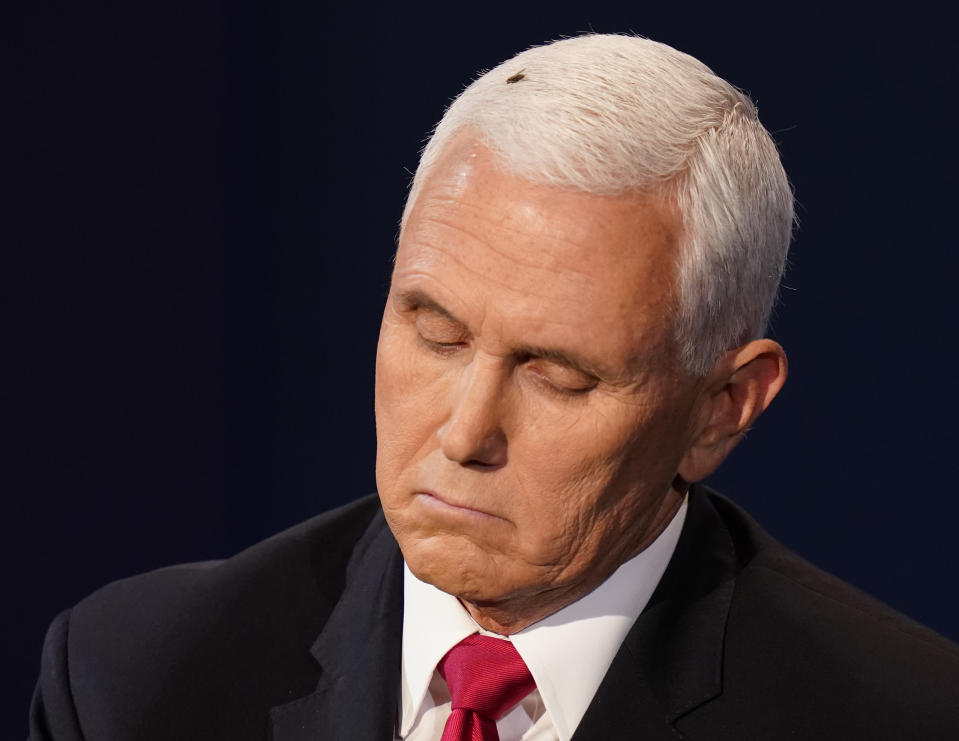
[474,446]
[490,458]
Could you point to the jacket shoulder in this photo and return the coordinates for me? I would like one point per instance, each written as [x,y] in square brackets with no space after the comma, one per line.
[806,649]
[311,554]
[215,639]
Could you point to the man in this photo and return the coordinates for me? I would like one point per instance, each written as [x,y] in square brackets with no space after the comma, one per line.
[573,335]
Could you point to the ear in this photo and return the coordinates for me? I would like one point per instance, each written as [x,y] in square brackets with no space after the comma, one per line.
[737,390]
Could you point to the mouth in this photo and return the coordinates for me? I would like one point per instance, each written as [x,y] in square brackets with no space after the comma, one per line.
[443,505]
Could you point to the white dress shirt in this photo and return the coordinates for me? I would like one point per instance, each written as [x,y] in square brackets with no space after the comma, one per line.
[568,653]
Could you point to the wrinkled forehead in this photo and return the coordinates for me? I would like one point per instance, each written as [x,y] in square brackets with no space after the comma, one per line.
[600,263]
[468,178]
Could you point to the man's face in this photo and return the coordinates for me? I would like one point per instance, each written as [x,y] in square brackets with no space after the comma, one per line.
[531,412]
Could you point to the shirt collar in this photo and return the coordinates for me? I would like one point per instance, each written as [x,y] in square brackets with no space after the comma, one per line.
[433,622]
[568,653]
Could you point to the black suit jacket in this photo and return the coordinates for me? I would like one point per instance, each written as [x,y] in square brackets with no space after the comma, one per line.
[298,639]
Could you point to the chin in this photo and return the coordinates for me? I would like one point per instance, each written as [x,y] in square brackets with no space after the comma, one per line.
[461,569]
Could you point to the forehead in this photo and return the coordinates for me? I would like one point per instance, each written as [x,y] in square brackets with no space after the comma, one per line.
[503,250]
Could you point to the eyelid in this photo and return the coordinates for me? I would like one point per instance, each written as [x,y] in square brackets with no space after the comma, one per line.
[439,333]
[441,348]
[589,381]
[560,390]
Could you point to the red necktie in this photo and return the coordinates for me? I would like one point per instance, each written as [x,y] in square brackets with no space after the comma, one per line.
[487,678]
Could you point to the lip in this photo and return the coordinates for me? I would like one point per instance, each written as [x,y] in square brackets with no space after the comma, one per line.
[443,504]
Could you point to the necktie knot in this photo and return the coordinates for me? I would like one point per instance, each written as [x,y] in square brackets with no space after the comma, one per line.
[486,676]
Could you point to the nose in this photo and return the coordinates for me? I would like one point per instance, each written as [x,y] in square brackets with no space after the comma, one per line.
[473,434]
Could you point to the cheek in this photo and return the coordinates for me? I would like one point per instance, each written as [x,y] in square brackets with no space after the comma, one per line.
[408,404]
[397,373]
[578,476]
[574,450]
[561,489]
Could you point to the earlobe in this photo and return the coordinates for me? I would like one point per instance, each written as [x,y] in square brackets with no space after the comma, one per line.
[743,383]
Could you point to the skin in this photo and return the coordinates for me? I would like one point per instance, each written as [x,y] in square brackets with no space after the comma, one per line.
[532,412]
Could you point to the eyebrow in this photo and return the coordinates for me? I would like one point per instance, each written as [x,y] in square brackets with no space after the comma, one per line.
[566,359]
[416,299]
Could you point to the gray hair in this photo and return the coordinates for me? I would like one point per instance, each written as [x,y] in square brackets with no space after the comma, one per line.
[610,114]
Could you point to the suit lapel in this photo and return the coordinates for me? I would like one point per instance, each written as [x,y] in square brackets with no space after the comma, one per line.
[358,652]
[671,660]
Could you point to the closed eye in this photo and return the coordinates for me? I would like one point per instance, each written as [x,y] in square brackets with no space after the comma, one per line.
[441,348]
[440,333]
[561,379]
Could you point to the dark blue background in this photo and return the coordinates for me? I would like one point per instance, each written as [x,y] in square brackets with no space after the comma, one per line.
[202,206]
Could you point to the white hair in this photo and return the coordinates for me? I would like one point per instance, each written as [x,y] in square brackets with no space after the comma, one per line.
[610,114]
